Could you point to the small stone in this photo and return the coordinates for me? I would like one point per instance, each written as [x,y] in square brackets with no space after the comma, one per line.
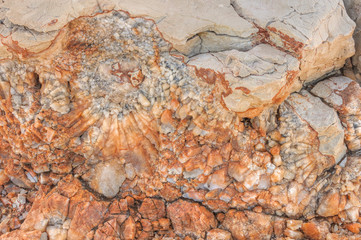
[164,224]
[87,215]
[147,225]
[3,177]
[248,224]
[190,218]
[214,159]
[107,177]
[218,234]
[128,229]
[329,205]
[55,233]
[311,230]
[353,227]
[143,100]
[293,234]
[218,180]
[237,171]
[152,209]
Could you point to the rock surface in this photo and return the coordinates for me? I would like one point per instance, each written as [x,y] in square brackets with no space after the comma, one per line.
[256,79]
[318,32]
[164,120]
[353,69]
[343,95]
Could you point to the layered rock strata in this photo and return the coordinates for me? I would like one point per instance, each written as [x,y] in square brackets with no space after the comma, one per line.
[157,120]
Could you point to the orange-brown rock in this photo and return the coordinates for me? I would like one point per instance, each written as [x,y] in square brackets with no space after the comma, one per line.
[128,229]
[87,216]
[218,234]
[152,209]
[20,235]
[190,218]
[353,227]
[107,132]
[329,204]
[248,225]
[311,230]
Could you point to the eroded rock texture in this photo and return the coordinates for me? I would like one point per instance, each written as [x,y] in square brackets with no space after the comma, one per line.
[165,120]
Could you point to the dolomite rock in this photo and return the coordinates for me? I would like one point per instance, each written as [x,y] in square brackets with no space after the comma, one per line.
[248,225]
[55,233]
[218,234]
[19,234]
[152,209]
[192,28]
[353,8]
[319,33]
[343,94]
[190,218]
[256,79]
[341,196]
[106,178]
[104,106]
[324,120]
[205,29]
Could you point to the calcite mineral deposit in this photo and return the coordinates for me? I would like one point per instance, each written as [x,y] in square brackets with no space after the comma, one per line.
[159,119]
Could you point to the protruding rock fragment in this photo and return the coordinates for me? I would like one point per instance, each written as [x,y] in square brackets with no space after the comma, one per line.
[319,33]
[324,120]
[106,178]
[248,225]
[255,79]
[190,218]
[218,234]
[344,95]
[152,209]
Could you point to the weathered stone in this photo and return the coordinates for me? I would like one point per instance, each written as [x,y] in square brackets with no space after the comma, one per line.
[152,209]
[203,19]
[55,233]
[218,234]
[256,79]
[87,216]
[353,8]
[128,229]
[324,120]
[344,95]
[106,178]
[190,218]
[36,219]
[318,32]
[218,180]
[99,104]
[20,234]
[110,229]
[248,225]
[329,205]
[3,177]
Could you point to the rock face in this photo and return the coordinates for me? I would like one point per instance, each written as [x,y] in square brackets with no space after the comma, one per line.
[353,8]
[322,119]
[165,120]
[314,31]
[257,78]
[190,218]
[343,95]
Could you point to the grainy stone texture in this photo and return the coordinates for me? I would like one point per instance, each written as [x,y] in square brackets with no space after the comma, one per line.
[318,32]
[165,120]
[353,68]
[343,95]
[257,78]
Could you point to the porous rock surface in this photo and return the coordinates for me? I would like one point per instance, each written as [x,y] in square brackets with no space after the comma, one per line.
[165,120]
